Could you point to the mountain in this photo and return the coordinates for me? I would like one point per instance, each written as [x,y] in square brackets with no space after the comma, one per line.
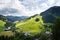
[32,25]
[12,18]
[51,14]
[3,18]
[2,22]
[15,18]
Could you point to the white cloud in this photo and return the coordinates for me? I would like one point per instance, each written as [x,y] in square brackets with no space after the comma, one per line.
[28,7]
[44,6]
[57,2]
[51,2]
[4,3]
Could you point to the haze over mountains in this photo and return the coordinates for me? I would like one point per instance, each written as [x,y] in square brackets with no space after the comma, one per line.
[13,18]
[16,18]
[48,15]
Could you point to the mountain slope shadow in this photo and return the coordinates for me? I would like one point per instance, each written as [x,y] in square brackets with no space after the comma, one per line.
[51,14]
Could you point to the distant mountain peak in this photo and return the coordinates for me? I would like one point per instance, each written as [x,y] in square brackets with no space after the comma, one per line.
[12,18]
[51,14]
[16,18]
[56,7]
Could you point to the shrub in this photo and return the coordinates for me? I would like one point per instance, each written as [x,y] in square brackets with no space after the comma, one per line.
[56,30]
[37,19]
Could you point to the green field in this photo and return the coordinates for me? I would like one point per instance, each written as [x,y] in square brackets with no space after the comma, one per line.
[2,25]
[31,25]
[6,33]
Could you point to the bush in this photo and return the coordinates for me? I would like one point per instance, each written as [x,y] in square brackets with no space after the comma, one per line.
[37,19]
[56,30]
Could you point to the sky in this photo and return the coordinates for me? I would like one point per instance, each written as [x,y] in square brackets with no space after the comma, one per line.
[25,7]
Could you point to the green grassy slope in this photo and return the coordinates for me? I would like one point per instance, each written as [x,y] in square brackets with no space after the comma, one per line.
[2,25]
[31,25]
[6,33]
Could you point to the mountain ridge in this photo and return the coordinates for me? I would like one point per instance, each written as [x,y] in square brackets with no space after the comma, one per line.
[51,14]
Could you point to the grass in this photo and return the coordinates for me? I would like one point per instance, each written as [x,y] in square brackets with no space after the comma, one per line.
[2,25]
[6,33]
[31,25]
[2,32]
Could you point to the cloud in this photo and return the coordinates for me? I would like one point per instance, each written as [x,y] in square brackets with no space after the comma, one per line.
[26,7]
[8,11]
[57,2]
[4,3]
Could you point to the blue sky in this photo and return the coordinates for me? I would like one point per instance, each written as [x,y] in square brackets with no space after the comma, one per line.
[25,7]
